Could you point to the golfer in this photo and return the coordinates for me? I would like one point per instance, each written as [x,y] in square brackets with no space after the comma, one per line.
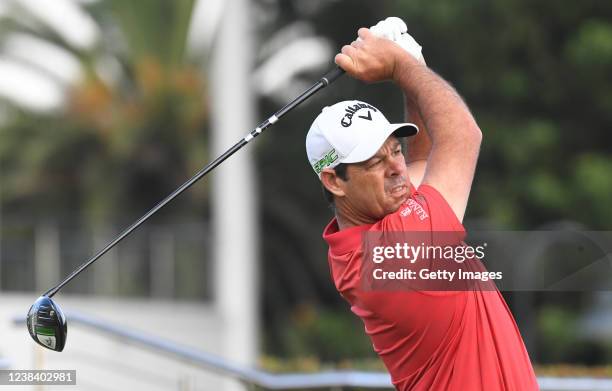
[459,340]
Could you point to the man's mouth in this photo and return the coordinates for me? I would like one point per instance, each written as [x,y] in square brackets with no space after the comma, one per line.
[398,190]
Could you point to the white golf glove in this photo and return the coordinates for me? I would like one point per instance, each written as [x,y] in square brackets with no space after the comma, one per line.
[395,29]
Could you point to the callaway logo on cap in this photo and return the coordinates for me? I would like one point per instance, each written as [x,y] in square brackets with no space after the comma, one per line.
[349,132]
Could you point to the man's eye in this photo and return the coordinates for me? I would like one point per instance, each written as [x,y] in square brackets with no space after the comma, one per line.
[374,163]
[397,151]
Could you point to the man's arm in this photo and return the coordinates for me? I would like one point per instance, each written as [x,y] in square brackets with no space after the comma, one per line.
[419,146]
[455,136]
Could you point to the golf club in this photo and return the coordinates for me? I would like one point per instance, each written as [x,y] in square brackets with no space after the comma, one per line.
[46,321]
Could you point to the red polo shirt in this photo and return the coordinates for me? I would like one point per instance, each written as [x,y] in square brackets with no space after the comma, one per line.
[456,340]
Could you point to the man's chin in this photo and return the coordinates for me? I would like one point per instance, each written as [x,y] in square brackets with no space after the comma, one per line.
[397,203]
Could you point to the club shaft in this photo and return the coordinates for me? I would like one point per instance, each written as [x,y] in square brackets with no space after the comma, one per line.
[329,78]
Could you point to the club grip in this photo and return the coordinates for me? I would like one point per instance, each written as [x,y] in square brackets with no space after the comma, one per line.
[332,75]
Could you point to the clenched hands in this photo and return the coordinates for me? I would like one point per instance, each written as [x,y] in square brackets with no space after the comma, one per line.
[373,58]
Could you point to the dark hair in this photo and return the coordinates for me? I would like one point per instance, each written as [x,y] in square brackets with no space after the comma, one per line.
[341,172]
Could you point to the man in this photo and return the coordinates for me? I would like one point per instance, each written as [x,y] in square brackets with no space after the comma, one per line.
[447,340]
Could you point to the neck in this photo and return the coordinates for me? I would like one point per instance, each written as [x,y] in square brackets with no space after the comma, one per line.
[348,218]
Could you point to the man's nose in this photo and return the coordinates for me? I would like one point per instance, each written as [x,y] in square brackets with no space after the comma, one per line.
[395,167]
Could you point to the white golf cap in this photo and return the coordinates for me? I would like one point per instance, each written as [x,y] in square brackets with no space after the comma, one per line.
[349,132]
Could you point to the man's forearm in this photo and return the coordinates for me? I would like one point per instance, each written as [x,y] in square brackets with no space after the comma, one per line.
[419,146]
[455,136]
[442,111]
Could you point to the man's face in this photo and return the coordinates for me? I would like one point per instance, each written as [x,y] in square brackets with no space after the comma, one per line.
[378,186]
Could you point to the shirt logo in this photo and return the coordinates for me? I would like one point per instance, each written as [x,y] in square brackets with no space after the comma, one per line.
[415,207]
[406,212]
[347,120]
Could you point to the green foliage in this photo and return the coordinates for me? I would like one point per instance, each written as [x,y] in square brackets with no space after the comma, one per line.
[330,335]
[592,177]
[118,147]
[536,75]
[154,28]
[560,341]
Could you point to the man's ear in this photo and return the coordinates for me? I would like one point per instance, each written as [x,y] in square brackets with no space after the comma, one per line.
[332,182]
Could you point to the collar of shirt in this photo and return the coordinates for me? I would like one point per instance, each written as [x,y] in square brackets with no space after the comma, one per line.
[341,242]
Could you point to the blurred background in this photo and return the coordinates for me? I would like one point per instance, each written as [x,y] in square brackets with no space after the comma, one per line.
[106,106]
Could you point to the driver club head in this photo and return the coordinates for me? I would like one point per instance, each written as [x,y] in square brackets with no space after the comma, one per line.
[47,324]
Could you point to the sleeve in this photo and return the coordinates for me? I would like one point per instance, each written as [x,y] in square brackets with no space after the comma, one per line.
[441,214]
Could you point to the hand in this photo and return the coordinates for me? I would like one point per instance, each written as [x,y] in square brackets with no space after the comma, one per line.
[395,29]
[371,58]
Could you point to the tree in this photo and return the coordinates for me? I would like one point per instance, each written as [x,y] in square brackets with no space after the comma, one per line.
[136,116]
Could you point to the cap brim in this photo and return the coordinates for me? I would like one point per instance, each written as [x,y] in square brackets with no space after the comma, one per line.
[366,150]
[404,130]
